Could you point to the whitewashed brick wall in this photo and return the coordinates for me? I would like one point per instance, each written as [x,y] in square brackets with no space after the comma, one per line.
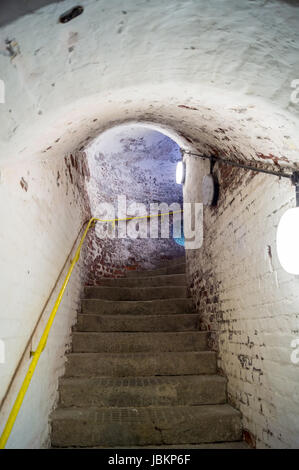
[41,213]
[247,301]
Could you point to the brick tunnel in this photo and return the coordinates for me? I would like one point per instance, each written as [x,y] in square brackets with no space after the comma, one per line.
[105,100]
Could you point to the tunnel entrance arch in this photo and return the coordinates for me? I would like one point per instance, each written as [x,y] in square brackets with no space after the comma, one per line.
[132,171]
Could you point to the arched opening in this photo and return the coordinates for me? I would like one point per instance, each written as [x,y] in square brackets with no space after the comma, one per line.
[132,174]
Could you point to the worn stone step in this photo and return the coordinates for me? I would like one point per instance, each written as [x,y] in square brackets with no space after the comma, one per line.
[173,261]
[211,445]
[176,269]
[145,426]
[154,281]
[137,307]
[140,364]
[119,342]
[92,322]
[142,391]
[135,293]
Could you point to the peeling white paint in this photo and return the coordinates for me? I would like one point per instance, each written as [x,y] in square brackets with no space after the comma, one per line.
[234,64]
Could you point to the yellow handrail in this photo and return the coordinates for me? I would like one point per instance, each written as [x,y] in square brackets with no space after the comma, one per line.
[42,342]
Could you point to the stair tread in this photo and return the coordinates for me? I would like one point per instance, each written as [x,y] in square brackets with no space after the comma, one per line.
[207,445]
[139,354]
[142,391]
[147,275]
[133,334]
[137,307]
[92,426]
[178,259]
[161,413]
[149,316]
[146,341]
[136,316]
[135,288]
[140,363]
[127,426]
[165,314]
[142,381]
[146,281]
[179,268]
[137,323]
[139,301]
[135,293]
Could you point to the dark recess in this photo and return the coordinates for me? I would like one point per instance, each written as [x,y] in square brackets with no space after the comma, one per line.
[11,10]
[71,14]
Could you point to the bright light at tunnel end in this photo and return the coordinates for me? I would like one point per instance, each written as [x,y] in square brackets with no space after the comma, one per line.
[287,241]
[180,173]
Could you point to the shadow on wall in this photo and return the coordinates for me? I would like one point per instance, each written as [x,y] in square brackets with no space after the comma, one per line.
[11,10]
[294,3]
[136,164]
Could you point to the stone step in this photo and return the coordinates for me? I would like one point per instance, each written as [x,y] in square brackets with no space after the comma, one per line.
[142,391]
[135,293]
[119,342]
[110,427]
[140,364]
[211,445]
[176,269]
[138,307]
[154,281]
[91,322]
[173,261]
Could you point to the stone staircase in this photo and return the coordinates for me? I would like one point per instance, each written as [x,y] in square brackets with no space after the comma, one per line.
[140,373]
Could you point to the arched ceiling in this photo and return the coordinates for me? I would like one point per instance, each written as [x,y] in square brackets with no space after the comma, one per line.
[218,78]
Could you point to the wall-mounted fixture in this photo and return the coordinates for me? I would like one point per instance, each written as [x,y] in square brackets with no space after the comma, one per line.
[71,14]
[210,188]
[180,172]
[287,239]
